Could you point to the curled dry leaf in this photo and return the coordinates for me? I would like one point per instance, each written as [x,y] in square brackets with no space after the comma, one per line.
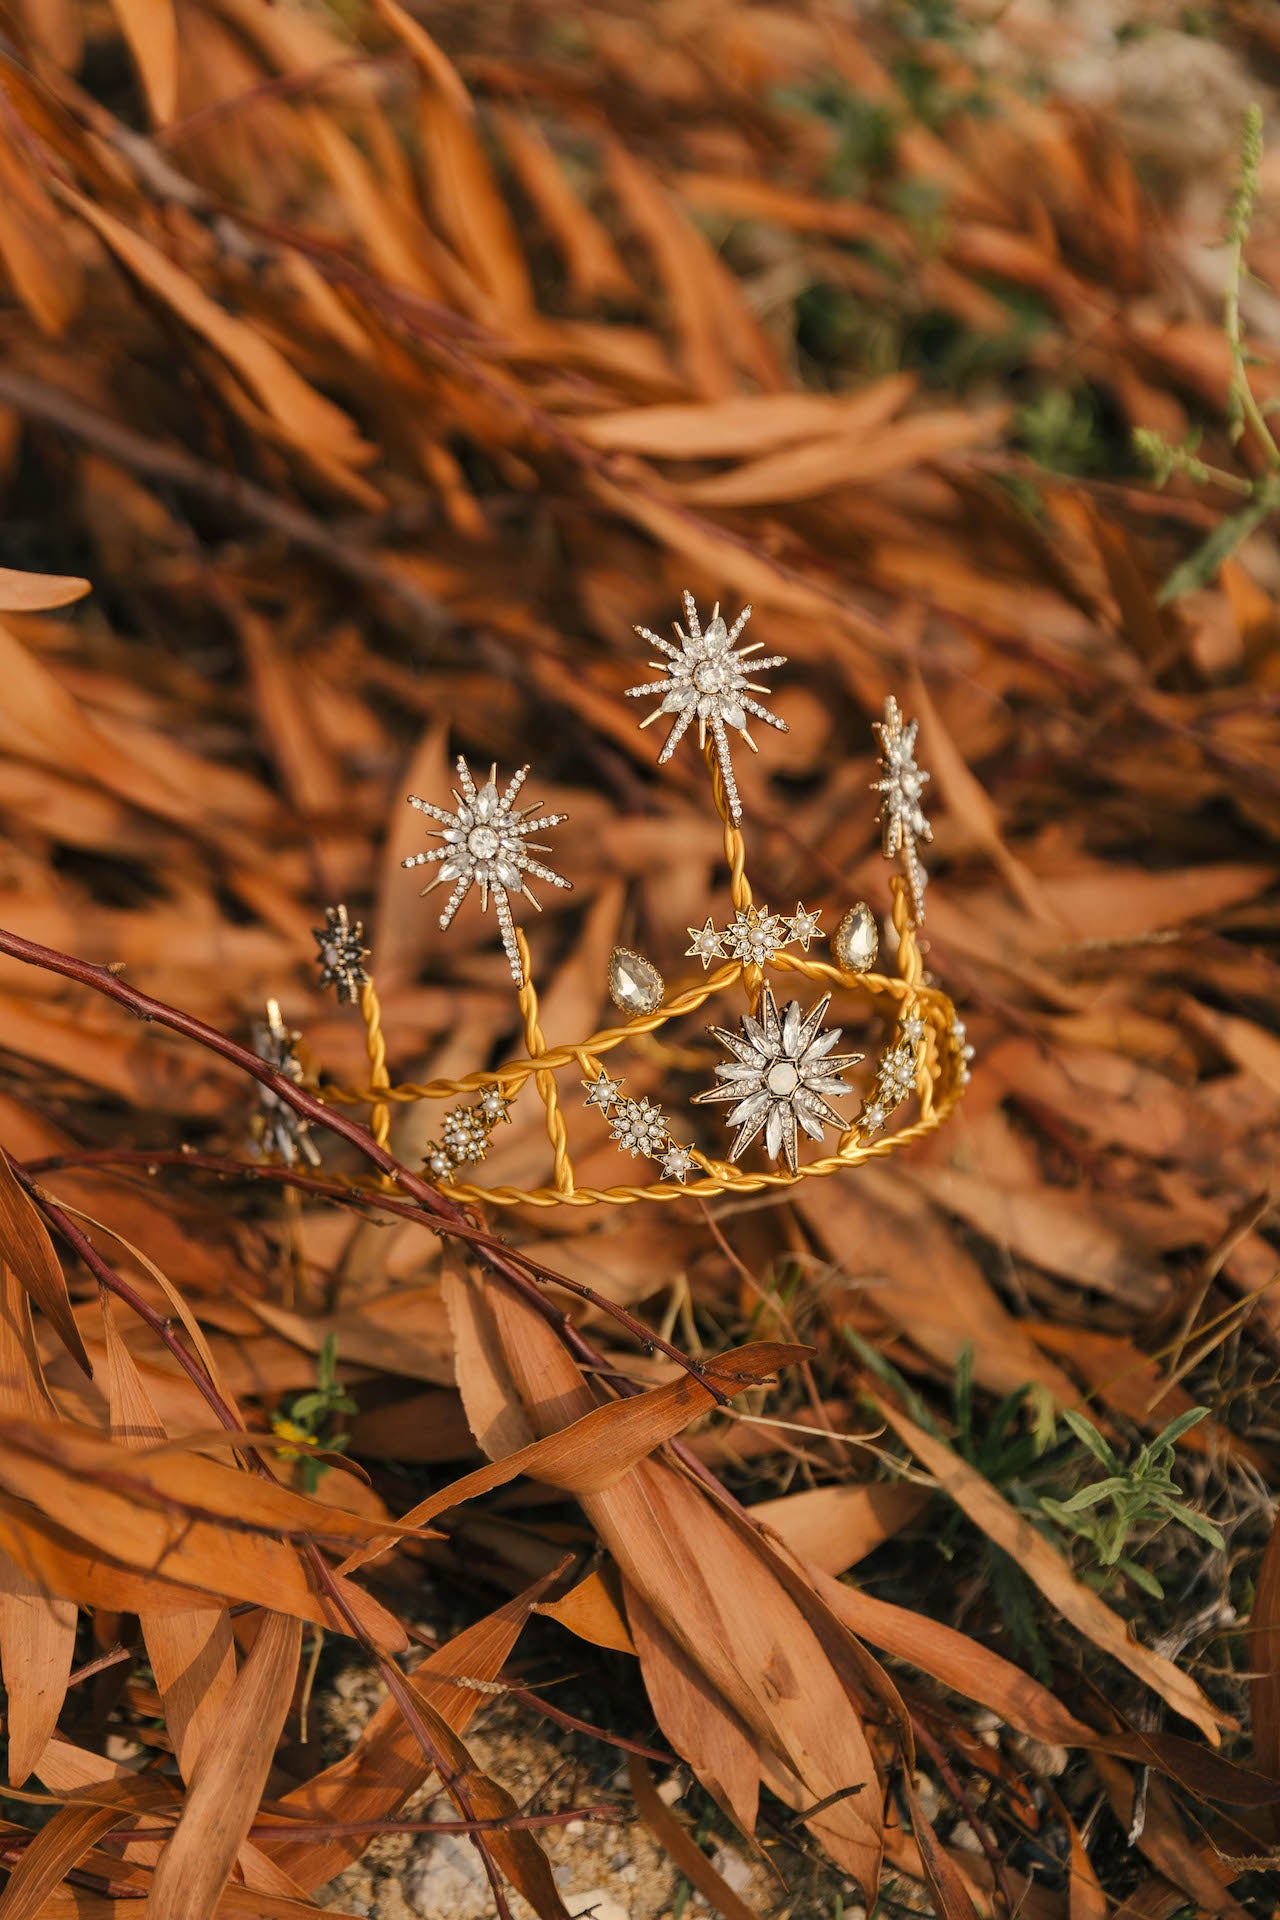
[682,1847]
[715,1596]
[596,1450]
[151,1512]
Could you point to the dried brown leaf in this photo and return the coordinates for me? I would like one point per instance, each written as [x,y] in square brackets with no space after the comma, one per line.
[682,1847]
[34,592]
[229,1778]
[192,1654]
[37,1629]
[151,28]
[26,1248]
[311,422]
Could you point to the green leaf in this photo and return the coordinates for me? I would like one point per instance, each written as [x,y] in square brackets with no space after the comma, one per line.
[1176,1428]
[963,1390]
[1087,1434]
[1090,1496]
[1140,1577]
[1203,566]
[1194,1522]
[886,1371]
[1056,1511]
[1045,1412]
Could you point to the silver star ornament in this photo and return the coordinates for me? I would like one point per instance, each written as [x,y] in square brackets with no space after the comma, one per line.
[486,844]
[705,679]
[901,785]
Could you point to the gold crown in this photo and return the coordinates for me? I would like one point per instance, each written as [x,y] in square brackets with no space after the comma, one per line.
[780,1075]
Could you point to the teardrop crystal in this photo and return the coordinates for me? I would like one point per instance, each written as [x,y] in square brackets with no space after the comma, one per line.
[856,941]
[635,985]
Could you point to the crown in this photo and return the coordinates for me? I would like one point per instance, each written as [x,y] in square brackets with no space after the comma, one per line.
[775,1079]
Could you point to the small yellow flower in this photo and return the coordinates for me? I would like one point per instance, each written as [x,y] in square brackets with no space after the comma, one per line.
[290,1430]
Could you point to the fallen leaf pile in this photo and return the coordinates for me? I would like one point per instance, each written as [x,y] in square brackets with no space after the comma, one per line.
[369,372]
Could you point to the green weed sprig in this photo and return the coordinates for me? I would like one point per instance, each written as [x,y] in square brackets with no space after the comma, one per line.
[1162,460]
[1141,1497]
[312,1413]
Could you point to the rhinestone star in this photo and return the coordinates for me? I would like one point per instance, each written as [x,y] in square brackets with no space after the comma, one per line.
[895,1082]
[438,1163]
[804,926]
[901,785]
[601,1092]
[486,845]
[782,1070]
[341,957]
[755,935]
[466,1134]
[638,1126]
[898,1072]
[678,1163]
[705,679]
[280,1132]
[708,945]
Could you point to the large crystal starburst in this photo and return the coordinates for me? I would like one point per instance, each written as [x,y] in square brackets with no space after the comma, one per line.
[901,784]
[705,679]
[486,844]
[783,1069]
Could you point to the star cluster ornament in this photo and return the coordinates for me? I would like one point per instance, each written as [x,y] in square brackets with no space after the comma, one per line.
[780,1077]
[341,957]
[705,679]
[708,944]
[639,1127]
[753,936]
[464,1136]
[901,785]
[486,845]
[895,1075]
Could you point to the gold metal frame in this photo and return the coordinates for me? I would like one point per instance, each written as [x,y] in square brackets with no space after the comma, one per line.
[939,1074]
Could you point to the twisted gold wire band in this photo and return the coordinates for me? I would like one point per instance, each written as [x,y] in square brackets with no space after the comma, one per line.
[939,1084]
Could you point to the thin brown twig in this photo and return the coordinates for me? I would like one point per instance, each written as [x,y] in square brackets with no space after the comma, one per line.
[432,1208]
[965,1801]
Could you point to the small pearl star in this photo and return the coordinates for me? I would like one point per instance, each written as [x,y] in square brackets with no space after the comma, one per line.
[912,1029]
[756,935]
[804,926]
[603,1092]
[708,945]
[678,1163]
